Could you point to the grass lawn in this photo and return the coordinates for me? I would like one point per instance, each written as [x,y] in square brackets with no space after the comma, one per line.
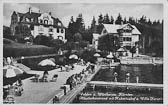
[11,48]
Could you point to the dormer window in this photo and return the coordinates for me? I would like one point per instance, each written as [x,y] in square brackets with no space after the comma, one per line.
[41,21]
[57,30]
[45,21]
[27,20]
[59,24]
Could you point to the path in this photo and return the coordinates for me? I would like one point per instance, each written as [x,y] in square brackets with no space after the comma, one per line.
[36,92]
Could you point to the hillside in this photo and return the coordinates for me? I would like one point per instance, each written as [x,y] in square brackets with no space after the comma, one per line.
[11,48]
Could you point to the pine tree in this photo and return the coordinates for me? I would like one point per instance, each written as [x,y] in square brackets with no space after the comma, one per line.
[80,23]
[149,22]
[93,23]
[143,19]
[100,20]
[106,19]
[131,20]
[125,21]
[111,20]
[119,19]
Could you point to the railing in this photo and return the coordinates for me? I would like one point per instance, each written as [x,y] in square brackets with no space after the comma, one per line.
[124,84]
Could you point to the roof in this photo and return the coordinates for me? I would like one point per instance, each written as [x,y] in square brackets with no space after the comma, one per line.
[112,28]
[32,15]
[36,15]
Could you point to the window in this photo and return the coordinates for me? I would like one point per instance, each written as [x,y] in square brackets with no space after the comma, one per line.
[127,39]
[57,30]
[121,39]
[32,27]
[60,37]
[50,30]
[45,21]
[41,21]
[32,19]
[62,30]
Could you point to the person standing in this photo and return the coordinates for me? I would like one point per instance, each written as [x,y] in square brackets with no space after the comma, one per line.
[128,77]
[115,76]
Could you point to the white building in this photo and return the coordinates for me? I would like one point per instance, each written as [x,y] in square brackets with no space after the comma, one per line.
[39,23]
[128,34]
[95,40]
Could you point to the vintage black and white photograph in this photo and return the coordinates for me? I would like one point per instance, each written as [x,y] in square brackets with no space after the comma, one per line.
[83,53]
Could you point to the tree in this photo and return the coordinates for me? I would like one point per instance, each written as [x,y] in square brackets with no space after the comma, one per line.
[80,23]
[42,40]
[109,43]
[131,20]
[149,22]
[77,37]
[56,43]
[93,23]
[133,50]
[125,21]
[7,33]
[143,19]
[100,20]
[22,31]
[111,20]
[87,36]
[119,19]
[106,19]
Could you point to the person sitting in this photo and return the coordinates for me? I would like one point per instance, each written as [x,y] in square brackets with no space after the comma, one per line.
[54,78]
[19,82]
[45,76]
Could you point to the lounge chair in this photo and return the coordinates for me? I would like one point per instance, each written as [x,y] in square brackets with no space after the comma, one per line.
[9,99]
[36,79]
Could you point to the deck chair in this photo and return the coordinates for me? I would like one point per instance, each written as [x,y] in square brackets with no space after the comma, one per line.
[9,99]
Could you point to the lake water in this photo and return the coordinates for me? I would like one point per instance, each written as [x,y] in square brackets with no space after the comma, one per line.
[147,73]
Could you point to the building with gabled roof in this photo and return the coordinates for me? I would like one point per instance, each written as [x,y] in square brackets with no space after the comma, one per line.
[39,23]
[128,34]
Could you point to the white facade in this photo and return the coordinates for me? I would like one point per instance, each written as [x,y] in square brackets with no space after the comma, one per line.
[55,32]
[40,24]
[95,40]
[128,34]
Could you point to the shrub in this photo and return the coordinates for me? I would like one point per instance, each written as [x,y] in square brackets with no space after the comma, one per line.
[18,50]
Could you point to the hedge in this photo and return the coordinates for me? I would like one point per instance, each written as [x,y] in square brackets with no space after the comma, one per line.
[18,50]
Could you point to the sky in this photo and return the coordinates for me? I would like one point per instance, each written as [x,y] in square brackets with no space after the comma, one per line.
[64,11]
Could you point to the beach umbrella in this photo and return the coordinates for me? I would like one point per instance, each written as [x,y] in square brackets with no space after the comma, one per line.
[121,50]
[73,56]
[10,71]
[47,62]
[52,59]
[110,55]
[96,55]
